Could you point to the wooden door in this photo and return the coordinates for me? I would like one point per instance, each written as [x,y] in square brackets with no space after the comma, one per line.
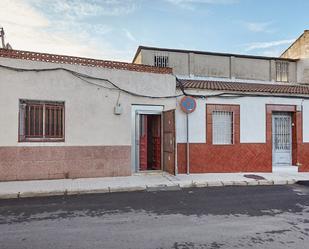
[156,140]
[143,140]
[169,141]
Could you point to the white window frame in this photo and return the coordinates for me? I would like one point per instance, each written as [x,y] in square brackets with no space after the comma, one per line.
[219,131]
[282,71]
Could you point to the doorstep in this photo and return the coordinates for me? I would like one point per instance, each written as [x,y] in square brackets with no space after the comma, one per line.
[285,169]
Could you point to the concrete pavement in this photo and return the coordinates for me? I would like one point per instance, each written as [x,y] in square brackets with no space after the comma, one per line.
[143,181]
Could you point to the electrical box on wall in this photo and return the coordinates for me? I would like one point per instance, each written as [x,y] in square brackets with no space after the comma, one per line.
[118,109]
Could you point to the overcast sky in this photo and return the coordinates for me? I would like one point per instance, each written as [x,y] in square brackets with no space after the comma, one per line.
[112,29]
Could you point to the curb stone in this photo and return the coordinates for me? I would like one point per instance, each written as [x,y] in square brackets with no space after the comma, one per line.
[89,191]
[200,184]
[240,183]
[41,194]
[186,185]
[280,182]
[214,184]
[174,185]
[291,181]
[266,182]
[9,196]
[228,183]
[129,189]
[253,183]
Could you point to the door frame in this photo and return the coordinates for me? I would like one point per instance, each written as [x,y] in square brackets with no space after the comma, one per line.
[136,111]
[290,114]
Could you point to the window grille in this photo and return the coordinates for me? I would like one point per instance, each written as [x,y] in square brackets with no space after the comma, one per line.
[222,127]
[282,133]
[282,71]
[41,121]
[161,61]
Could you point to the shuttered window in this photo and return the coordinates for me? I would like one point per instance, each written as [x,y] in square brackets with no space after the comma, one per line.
[41,121]
[222,127]
[282,71]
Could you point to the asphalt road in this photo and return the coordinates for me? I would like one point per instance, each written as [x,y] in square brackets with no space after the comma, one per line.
[223,217]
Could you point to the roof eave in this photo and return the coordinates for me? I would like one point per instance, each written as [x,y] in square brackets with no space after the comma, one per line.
[266,94]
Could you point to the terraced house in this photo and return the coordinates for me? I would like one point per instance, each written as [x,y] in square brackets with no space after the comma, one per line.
[69,117]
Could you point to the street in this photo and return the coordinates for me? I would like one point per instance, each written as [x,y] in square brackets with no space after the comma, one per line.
[217,217]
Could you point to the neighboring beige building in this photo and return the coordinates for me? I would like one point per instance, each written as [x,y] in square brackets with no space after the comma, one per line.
[199,64]
[299,51]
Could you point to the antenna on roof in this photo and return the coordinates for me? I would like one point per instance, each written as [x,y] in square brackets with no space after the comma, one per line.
[4,46]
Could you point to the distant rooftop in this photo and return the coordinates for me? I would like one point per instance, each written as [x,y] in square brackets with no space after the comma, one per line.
[305,31]
[208,53]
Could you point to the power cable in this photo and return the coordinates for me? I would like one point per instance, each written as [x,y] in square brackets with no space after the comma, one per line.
[84,78]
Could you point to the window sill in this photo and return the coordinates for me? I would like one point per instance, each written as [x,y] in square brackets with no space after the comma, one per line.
[39,140]
[223,144]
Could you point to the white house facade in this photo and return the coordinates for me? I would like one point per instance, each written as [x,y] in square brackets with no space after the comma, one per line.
[71,117]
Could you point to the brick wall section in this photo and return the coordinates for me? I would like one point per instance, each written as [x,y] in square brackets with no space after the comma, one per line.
[243,157]
[237,157]
[64,59]
[205,158]
[55,162]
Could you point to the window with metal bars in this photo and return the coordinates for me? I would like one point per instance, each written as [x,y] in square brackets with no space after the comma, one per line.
[282,132]
[282,71]
[222,127]
[41,121]
[161,61]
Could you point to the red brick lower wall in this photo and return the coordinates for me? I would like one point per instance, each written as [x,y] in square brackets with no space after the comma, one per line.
[205,158]
[243,157]
[55,162]
[303,157]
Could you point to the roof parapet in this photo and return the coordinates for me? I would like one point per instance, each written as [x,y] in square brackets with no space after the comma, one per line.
[73,60]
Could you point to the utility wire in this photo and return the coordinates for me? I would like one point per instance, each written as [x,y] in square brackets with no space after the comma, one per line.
[84,78]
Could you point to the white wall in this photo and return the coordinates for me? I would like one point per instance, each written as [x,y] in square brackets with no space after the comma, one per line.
[89,118]
[252,118]
[197,132]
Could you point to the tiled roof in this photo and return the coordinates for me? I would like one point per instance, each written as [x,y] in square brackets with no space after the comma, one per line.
[245,87]
[64,59]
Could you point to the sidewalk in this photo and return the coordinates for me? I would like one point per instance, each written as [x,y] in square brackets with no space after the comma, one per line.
[140,182]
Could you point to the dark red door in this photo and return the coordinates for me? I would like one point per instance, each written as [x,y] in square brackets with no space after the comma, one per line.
[156,139]
[169,141]
[143,141]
